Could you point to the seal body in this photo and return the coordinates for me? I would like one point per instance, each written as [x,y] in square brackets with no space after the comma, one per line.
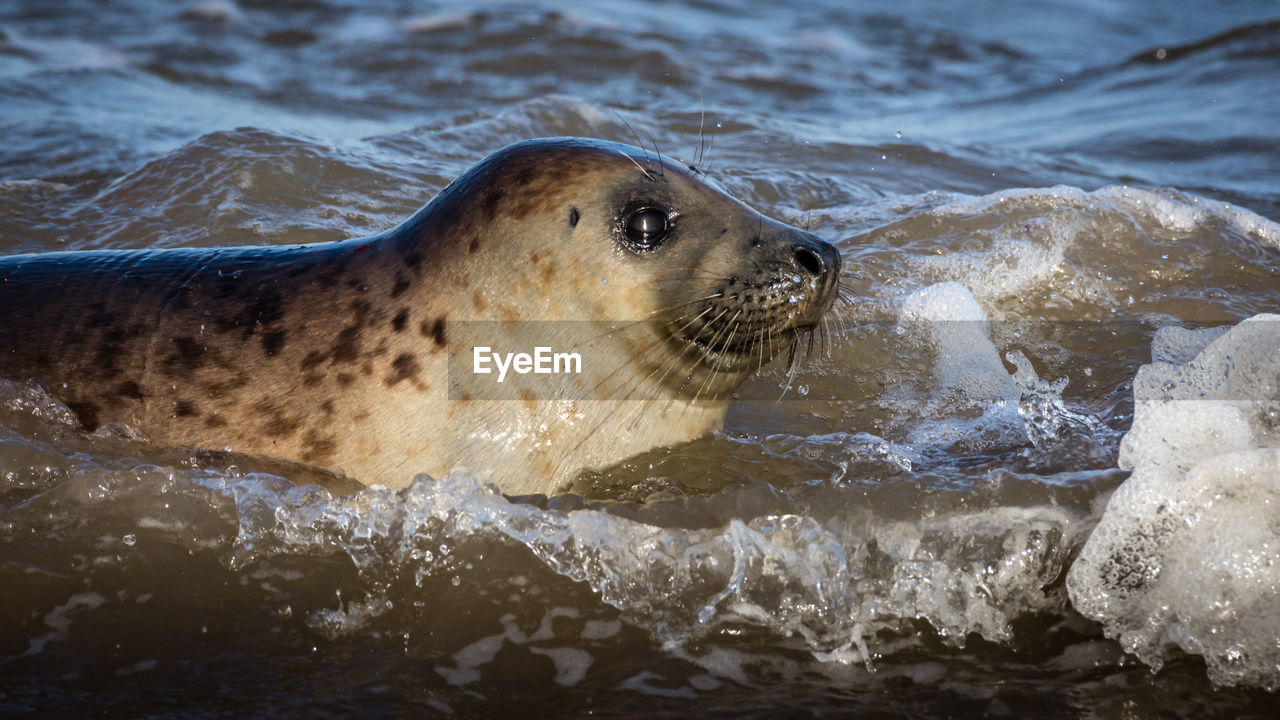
[354,355]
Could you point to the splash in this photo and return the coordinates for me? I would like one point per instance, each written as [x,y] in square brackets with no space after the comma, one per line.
[831,586]
[974,403]
[1062,437]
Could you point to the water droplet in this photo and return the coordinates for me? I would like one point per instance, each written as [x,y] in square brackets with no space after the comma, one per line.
[898,134]
[795,279]
[803,389]
[604,281]
[1161,54]
[1088,372]
[130,539]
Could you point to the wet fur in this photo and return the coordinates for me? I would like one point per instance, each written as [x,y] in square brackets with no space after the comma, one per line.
[336,354]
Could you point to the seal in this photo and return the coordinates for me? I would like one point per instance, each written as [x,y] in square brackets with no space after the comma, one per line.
[363,356]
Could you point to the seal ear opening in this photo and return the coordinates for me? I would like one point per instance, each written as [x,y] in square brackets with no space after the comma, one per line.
[573,216]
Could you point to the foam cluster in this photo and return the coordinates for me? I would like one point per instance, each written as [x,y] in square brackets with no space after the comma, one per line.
[1187,552]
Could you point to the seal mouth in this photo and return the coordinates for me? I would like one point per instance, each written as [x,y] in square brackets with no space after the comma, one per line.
[750,348]
[745,324]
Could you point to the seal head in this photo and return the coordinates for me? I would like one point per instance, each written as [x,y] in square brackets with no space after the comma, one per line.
[575,229]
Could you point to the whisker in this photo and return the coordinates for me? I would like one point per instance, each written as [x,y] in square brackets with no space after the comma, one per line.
[698,360]
[702,121]
[627,325]
[732,327]
[638,166]
[639,143]
[671,365]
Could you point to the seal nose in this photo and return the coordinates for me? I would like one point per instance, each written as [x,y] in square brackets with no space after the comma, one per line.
[809,259]
[815,257]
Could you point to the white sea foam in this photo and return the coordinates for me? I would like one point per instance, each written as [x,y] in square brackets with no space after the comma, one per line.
[831,586]
[1183,212]
[972,398]
[60,618]
[968,364]
[1178,345]
[1188,550]
[1053,243]
[571,664]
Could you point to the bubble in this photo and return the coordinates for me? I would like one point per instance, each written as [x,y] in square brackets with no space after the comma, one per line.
[1189,533]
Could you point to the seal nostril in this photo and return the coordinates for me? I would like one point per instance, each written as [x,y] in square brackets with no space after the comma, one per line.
[809,259]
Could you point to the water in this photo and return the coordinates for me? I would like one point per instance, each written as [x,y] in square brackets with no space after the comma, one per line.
[1037,476]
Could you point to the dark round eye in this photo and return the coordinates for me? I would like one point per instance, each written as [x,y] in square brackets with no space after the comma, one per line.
[647,228]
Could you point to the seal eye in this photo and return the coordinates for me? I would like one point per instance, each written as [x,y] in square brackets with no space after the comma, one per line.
[647,228]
